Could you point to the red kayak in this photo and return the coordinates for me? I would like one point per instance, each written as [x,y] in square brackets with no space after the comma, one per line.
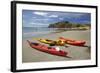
[47,49]
[73,42]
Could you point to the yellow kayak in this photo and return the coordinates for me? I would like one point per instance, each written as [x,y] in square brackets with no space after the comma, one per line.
[51,42]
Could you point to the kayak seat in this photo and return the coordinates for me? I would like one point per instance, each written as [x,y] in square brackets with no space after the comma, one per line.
[60,51]
[35,44]
[49,48]
[48,40]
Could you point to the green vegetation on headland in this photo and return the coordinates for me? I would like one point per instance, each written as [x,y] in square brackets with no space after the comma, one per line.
[66,24]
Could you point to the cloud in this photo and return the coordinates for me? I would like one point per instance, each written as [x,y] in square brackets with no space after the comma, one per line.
[39,19]
[86,21]
[61,18]
[54,16]
[73,15]
[32,23]
[37,24]
[40,13]
[46,14]
[34,17]
[77,15]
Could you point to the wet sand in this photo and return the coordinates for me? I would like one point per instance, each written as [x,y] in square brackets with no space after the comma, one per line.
[77,53]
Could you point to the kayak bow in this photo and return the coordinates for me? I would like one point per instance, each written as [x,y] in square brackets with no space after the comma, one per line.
[49,50]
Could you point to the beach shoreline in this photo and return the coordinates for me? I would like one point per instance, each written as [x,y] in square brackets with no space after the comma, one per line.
[78,53]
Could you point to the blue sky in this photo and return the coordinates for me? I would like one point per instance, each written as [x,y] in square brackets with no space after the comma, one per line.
[32,18]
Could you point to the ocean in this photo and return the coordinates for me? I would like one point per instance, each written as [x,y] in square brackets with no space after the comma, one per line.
[36,31]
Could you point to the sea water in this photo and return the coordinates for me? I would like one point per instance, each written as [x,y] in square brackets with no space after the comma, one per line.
[36,31]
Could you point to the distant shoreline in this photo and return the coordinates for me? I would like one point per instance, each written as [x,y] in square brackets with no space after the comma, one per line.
[42,33]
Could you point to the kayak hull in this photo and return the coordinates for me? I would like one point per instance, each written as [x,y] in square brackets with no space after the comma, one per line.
[73,42]
[48,50]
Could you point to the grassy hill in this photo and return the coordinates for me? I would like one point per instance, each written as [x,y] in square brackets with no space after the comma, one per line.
[66,24]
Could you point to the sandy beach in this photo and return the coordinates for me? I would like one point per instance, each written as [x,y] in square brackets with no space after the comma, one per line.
[77,53]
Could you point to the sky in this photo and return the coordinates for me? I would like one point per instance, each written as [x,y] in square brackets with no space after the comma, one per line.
[33,18]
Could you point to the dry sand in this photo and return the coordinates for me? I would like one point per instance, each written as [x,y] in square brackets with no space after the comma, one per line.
[77,53]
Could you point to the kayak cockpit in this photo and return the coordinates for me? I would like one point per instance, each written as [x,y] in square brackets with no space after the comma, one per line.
[36,44]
